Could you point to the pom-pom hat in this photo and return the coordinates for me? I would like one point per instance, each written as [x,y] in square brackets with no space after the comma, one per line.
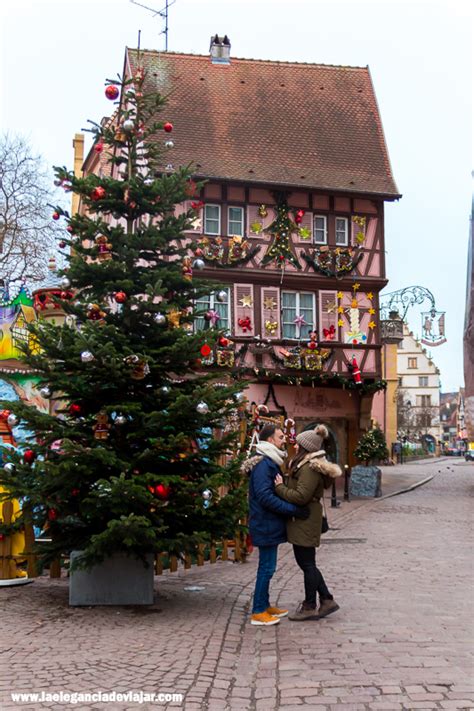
[312,440]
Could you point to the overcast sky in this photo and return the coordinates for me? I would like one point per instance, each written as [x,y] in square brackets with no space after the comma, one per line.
[56,55]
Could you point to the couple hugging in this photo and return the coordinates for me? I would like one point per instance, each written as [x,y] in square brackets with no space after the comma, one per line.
[291,512]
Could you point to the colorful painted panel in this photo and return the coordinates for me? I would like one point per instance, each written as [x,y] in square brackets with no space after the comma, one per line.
[15,315]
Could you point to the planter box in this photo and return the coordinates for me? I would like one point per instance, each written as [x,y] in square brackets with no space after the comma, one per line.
[119,580]
[366,481]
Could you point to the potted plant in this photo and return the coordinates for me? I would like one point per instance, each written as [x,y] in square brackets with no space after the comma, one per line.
[366,478]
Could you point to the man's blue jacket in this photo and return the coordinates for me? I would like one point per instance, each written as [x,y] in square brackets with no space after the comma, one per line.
[268,513]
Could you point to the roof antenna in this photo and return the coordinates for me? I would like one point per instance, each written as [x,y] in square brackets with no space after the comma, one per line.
[163,13]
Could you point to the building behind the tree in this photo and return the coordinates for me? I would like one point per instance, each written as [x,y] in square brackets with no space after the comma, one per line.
[290,221]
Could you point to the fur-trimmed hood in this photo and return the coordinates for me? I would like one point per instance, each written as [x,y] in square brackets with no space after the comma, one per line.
[318,463]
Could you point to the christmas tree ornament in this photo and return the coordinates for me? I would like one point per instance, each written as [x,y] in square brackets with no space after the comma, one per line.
[206,350]
[160,319]
[64,283]
[167,127]
[120,420]
[52,514]
[120,297]
[199,264]
[162,491]
[187,268]
[165,390]
[128,125]
[75,492]
[87,357]
[45,392]
[148,181]
[240,397]
[223,342]
[111,92]
[56,215]
[262,211]
[140,367]
[99,147]
[9,467]
[95,313]
[62,244]
[207,494]
[104,248]
[202,408]
[354,368]
[221,296]
[75,409]
[98,193]
[29,456]
[102,426]
[12,420]
[169,144]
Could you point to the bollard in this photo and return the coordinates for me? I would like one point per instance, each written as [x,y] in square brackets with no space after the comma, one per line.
[347,474]
[334,502]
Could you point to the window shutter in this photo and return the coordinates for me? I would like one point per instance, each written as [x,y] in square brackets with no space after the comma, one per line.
[270,312]
[244,321]
[328,316]
[253,218]
[306,224]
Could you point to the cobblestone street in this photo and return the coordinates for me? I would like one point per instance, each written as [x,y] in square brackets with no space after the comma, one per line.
[400,568]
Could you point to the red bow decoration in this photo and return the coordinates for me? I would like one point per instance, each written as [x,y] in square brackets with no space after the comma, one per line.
[329,333]
[245,324]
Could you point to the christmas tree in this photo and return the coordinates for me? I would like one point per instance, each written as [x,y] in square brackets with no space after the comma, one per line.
[371,446]
[138,451]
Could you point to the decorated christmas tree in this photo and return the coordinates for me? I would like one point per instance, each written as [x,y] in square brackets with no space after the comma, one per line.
[140,455]
[371,446]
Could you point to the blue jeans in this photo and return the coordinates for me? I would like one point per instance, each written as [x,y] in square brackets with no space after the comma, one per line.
[267,560]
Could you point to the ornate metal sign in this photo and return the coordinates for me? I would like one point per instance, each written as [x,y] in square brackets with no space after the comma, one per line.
[433,328]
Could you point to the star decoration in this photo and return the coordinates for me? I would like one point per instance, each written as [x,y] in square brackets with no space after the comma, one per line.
[371,324]
[269,303]
[196,223]
[340,310]
[246,300]
[370,296]
[356,286]
[340,322]
[339,294]
[299,321]
[331,307]
[371,311]
[213,317]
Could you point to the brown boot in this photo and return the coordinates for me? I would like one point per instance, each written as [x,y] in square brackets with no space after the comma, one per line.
[304,612]
[327,607]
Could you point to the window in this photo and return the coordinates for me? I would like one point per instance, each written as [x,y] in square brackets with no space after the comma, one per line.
[296,304]
[342,231]
[320,229]
[423,400]
[212,219]
[210,303]
[235,221]
[412,362]
[423,381]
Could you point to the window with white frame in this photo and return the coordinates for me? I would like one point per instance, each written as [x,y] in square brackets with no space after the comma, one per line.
[294,307]
[423,381]
[213,313]
[320,229]
[212,219]
[235,221]
[342,231]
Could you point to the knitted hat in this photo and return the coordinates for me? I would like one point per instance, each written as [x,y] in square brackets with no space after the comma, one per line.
[312,440]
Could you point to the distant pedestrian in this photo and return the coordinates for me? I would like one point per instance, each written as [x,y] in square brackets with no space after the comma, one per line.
[309,474]
[267,519]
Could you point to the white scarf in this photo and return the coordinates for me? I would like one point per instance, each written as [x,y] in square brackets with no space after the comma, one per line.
[270,450]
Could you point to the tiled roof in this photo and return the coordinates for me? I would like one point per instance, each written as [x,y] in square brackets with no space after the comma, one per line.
[308,125]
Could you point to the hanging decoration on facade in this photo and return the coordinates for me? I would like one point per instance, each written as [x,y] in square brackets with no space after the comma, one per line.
[238,251]
[433,328]
[360,224]
[302,358]
[355,336]
[336,262]
[280,229]
[353,368]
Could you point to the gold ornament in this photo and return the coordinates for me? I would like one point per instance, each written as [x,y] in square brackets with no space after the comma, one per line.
[246,300]
[304,233]
[371,312]
[331,307]
[262,211]
[356,286]
[271,326]
[256,227]
[370,296]
[372,324]
[174,318]
[269,303]
[339,294]
[340,322]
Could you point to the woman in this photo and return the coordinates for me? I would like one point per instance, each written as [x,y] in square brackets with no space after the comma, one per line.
[309,474]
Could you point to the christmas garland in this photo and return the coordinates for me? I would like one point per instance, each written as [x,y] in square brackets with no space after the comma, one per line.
[336,262]
[213,252]
[281,228]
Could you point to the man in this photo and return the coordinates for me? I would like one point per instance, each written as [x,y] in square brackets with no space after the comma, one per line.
[267,520]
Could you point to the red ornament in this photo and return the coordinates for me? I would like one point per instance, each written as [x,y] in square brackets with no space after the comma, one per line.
[329,333]
[162,491]
[62,244]
[2,537]
[98,193]
[29,456]
[206,350]
[167,127]
[197,205]
[111,92]
[312,345]
[224,342]
[52,514]
[120,297]
[299,214]
[354,367]
[74,409]
[56,215]
[245,324]
[75,492]
[198,252]
[70,229]
[66,295]
[99,147]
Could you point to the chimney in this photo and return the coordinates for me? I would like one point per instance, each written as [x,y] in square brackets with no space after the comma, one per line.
[220,50]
